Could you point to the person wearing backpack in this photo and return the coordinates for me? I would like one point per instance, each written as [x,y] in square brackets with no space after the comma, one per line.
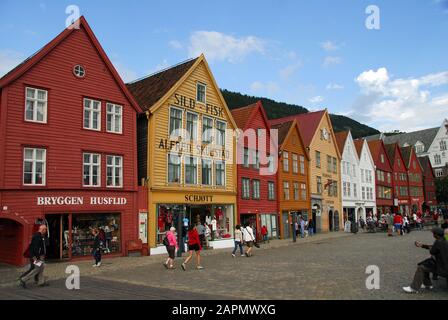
[171,245]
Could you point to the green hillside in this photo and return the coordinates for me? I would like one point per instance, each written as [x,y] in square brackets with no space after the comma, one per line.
[276,109]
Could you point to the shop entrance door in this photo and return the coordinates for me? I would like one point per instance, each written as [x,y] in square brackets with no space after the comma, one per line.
[58,236]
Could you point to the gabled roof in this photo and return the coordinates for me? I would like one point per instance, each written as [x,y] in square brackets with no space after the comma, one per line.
[244,115]
[308,123]
[378,136]
[425,163]
[358,145]
[375,146]
[426,136]
[391,150]
[149,90]
[406,153]
[341,138]
[26,65]
[283,130]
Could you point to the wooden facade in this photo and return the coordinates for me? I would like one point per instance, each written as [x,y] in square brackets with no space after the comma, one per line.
[399,178]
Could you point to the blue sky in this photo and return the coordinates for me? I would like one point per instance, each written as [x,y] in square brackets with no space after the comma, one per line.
[318,54]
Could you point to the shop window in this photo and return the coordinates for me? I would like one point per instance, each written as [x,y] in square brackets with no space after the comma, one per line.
[34,166]
[114,170]
[108,226]
[173,168]
[191,170]
[92,170]
[114,115]
[206,172]
[92,114]
[192,126]
[201,90]
[36,105]
[220,173]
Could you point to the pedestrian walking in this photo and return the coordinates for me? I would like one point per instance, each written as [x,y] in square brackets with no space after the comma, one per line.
[194,244]
[238,241]
[398,223]
[264,234]
[201,231]
[302,228]
[97,247]
[171,245]
[437,264]
[37,251]
[296,228]
[249,239]
[311,227]
[406,228]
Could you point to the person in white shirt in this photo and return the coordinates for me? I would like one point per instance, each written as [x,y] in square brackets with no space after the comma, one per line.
[249,239]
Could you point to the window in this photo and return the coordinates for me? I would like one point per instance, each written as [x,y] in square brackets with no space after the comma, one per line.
[329,164]
[349,192]
[439,173]
[285,161]
[192,126]
[389,178]
[271,164]
[285,190]
[36,105]
[344,189]
[382,158]
[245,193]
[437,159]
[419,148]
[363,193]
[355,190]
[296,190]
[319,185]
[92,170]
[34,166]
[79,71]
[318,164]
[246,158]
[303,191]
[221,132]
[201,90]
[295,163]
[173,168]
[271,190]
[207,128]
[362,175]
[404,191]
[114,171]
[442,145]
[354,171]
[256,189]
[191,170]
[344,169]
[302,165]
[114,118]
[220,173]
[206,172]
[175,121]
[92,114]
[335,165]
[256,160]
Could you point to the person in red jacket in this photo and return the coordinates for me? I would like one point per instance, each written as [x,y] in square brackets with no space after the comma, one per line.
[264,233]
[194,244]
[398,223]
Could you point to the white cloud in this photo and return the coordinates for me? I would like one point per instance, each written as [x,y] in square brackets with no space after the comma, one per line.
[334,86]
[329,46]
[264,87]
[176,44]
[125,73]
[222,47]
[317,99]
[330,61]
[288,71]
[8,60]
[402,104]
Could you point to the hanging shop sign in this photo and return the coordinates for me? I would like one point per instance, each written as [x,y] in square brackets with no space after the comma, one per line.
[77,201]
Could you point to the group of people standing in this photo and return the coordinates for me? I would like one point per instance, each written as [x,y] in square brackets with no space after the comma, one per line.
[303,228]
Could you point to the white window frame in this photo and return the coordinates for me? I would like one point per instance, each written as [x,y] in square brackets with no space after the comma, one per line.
[285,155]
[256,192]
[170,131]
[91,165]
[245,192]
[295,163]
[218,133]
[296,190]
[33,166]
[192,137]
[211,172]
[216,173]
[271,183]
[205,92]
[114,166]
[286,183]
[114,115]
[209,130]
[303,189]
[168,168]
[91,112]
[35,100]
[185,169]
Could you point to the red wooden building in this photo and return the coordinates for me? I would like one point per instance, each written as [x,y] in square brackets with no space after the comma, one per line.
[257,191]
[67,151]
[383,177]
[415,179]
[429,184]
[400,179]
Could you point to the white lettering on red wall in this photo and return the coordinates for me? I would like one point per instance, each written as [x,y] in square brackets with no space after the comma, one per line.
[70,201]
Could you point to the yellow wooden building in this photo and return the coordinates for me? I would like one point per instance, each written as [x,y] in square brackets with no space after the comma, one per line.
[186,153]
[324,169]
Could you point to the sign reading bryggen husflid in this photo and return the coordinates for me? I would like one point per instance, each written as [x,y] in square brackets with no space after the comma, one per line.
[68,153]
[186,152]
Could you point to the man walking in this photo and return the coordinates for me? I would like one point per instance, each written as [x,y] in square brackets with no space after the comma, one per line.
[37,253]
[438,263]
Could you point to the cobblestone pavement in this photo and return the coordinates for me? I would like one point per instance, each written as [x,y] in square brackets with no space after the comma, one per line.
[328,266]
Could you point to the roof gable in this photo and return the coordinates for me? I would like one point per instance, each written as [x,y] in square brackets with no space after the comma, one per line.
[26,65]
[285,131]
[424,136]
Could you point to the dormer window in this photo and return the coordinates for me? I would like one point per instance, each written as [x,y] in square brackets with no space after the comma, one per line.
[419,147]
[79,71]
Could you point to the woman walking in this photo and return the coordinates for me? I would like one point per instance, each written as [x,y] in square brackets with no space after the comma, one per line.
[194,244]
[171,245]
[238,241]
[249,239]
[97,246]
[398,223]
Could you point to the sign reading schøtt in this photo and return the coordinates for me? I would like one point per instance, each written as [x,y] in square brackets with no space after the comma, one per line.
[198,198]
[71,201]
